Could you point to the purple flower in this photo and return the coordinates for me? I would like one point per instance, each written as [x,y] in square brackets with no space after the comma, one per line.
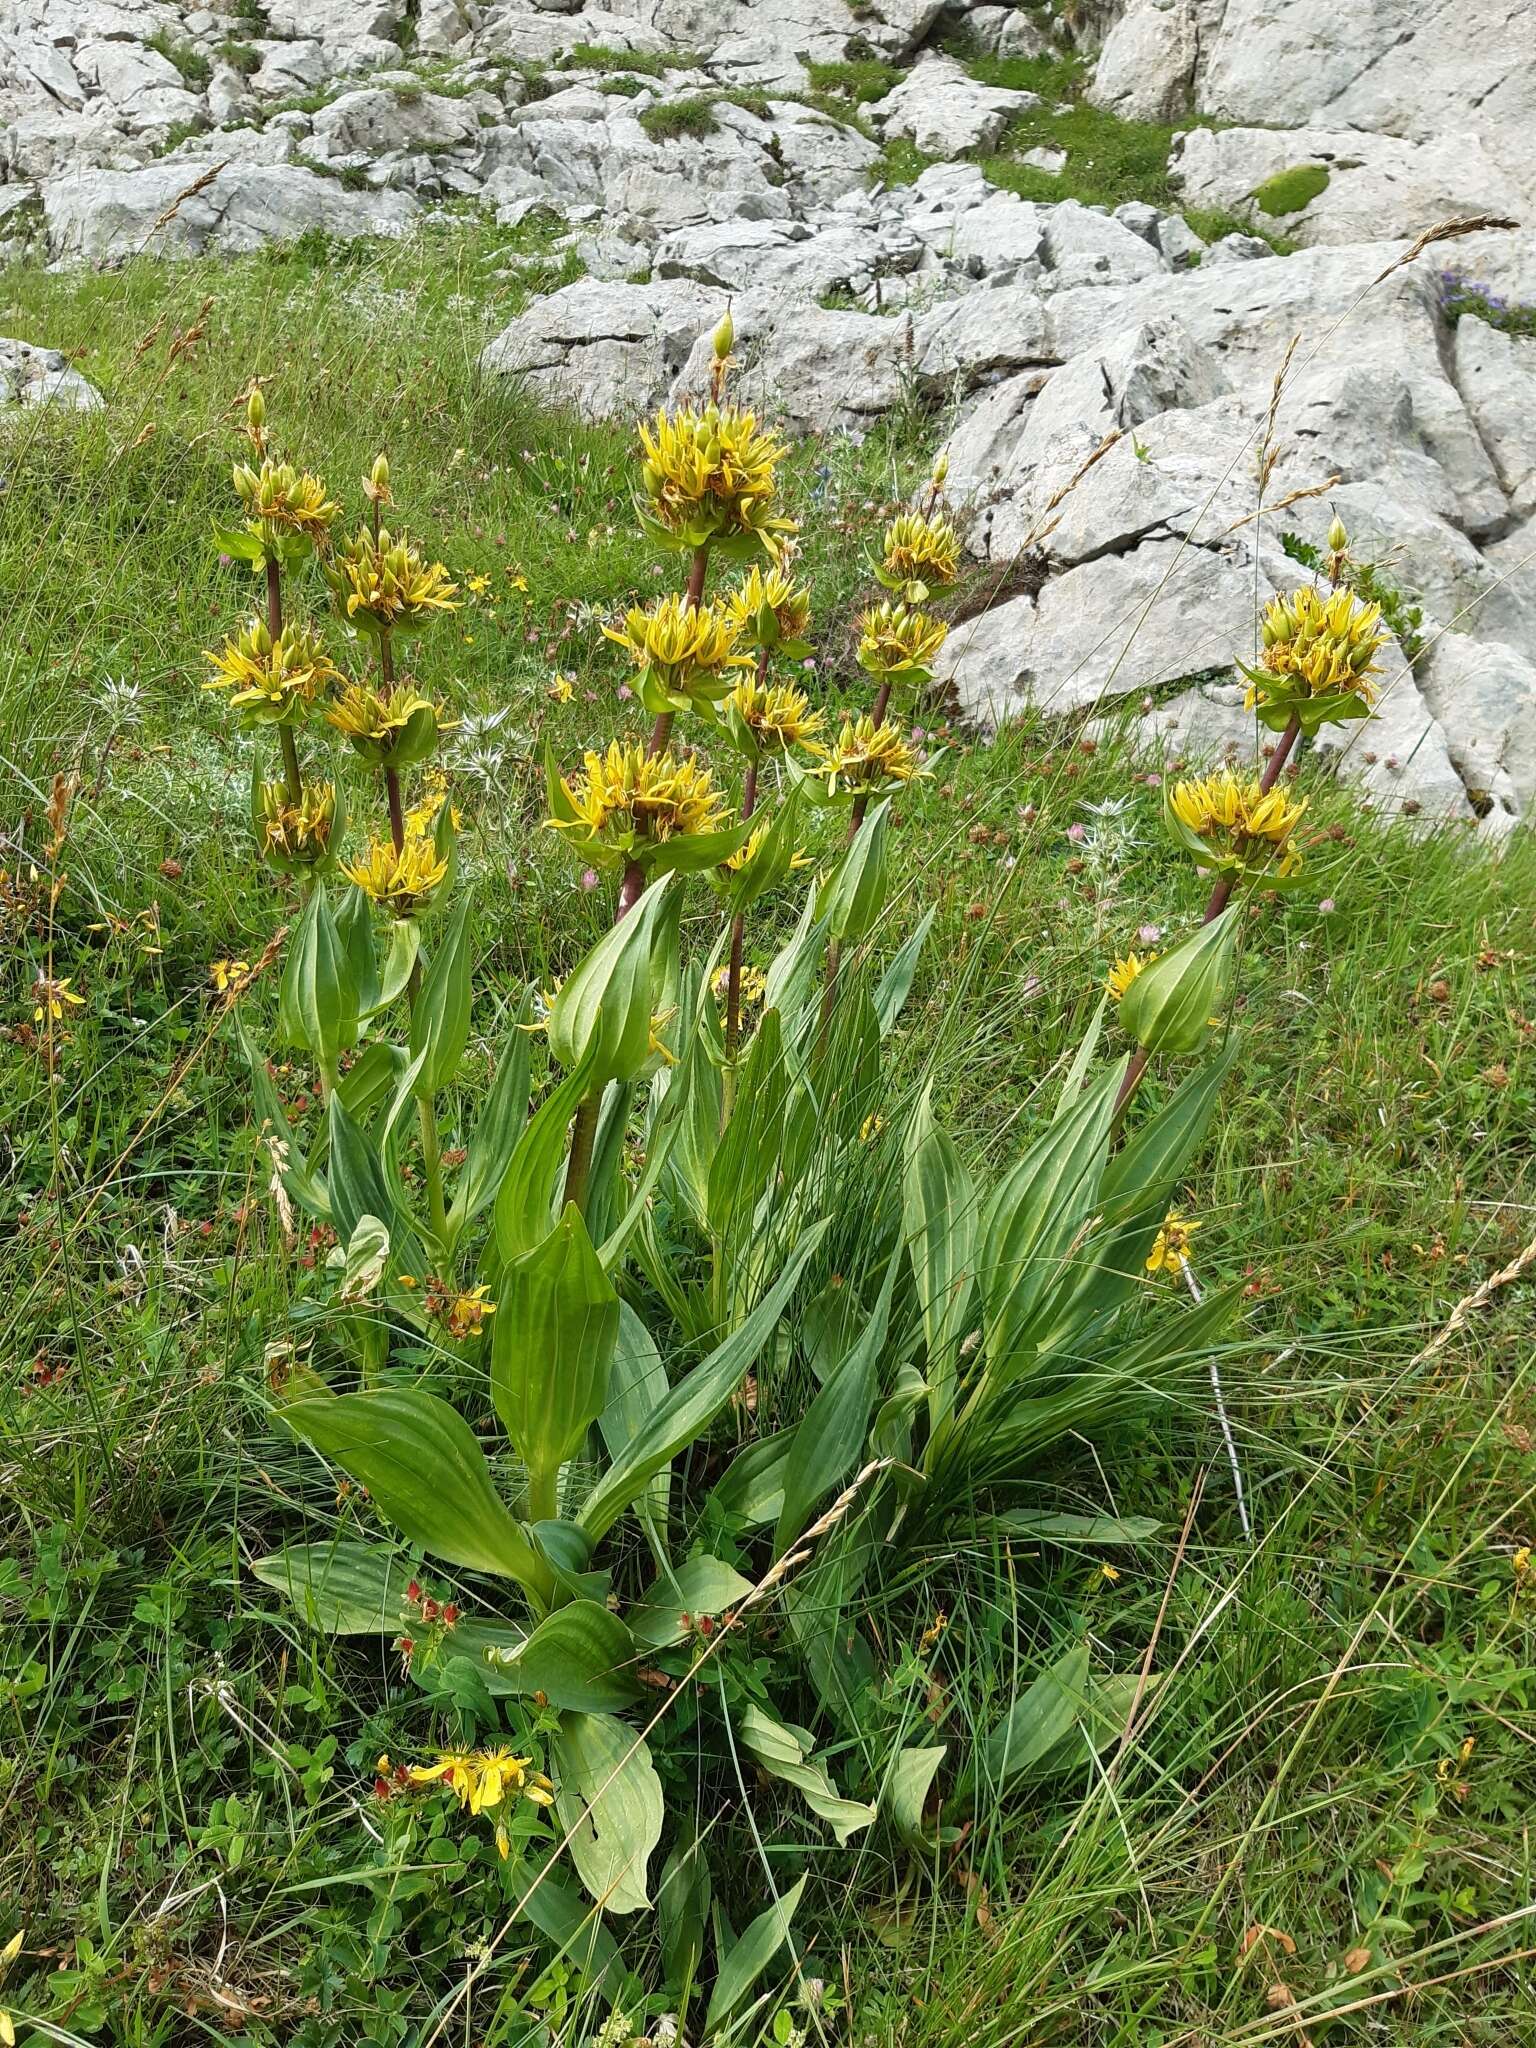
[1149,934]
[1077,834]
[589,878]
[1326,905]
[625,693]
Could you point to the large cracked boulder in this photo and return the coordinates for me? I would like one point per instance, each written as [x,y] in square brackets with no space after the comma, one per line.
[182,208]
[941,108]
[605,349]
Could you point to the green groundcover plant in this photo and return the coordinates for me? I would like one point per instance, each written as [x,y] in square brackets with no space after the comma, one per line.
[686,1155]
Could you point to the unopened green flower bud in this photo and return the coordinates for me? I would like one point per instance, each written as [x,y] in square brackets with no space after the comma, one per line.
[1338,538]
[255,414]
[725,334]
[1171,1004]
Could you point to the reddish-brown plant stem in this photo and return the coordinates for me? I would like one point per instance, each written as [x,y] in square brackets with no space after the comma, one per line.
[693,596]
[1221,894]
[293,774]
[739,921]
[396,808]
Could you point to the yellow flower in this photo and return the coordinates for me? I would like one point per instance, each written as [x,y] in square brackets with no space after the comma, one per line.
[1170,1248]
[918,553]
[785,603]
[296,834]
[1521,1563]
[282,501]
[561,690]
[482,1779]
[403,881]
[227,975]
[387,585]
[390,727]
[51,996]
[1109,1573]
[865,757]
[896,642]
[1231,814]
[1318,651]
[753,986]
[1125,971]
[8,1955]
[477,586]
[711,475]
[626,799]
[271,677]
[463,1315]
[685,653]
[756,840]
[871,1128]
[776,718]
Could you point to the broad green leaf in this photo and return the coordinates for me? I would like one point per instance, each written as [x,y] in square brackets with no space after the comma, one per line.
[1054,1528]
[1156,1154]
[792,977]
[343,1588]
[317,997]
[367,1257]
[355,1178]
[552,1342]
[682,1913]
[581,1657]
[939,1219]
[576,1929]
[694,1403]
[354,928]
[1082,1059]
[1039,1719]
[750,1149]
[601,1018]
[750,1957]
[502,1120]
[830,1439]
[895,984]
[752,1486]
[401,952]
[441,1006]
[1169,1006]
[371,1078]
[853,895]
[280,1154]
[526,1195]
[609,1799]
[786,1753]
[637,1386]
[427,1474]
[906,1789]
[699,1585]
[1037,1211]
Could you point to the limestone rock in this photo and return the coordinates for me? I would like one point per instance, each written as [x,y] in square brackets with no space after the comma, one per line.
[107,216]
[1484,695]
[1496,375]
[1146,69]
[605,348]
[41,376]
[942,109]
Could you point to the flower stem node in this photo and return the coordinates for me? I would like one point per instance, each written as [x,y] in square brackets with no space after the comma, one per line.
[391,727]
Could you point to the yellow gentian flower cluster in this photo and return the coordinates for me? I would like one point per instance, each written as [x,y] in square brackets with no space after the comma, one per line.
[1231,815]
[865,759]
[271,678]
[1318,650]
[282,500]
[919,551]
[384,584]
[895,643]
[686,654]
[710,475]
[626,799]
[773,716]
[296,834]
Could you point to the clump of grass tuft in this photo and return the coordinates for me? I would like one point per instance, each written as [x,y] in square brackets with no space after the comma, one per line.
[859,81]
[677,120]
[189,60]
[1290,191]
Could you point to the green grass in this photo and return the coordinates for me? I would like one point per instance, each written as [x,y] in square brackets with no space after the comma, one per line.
[1290,191]
[672,120]
[195,68]
[186,1826]
[860,81]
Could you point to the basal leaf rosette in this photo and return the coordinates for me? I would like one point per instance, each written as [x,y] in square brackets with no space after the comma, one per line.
[898,645]
[384,584]
[710,479]
[1317,655]
[687,655]
[921,552]
[1233,826]
[393,726]
[865,760]
[271,680]
[288,516]
[771,613]
[296,835]
[657,811]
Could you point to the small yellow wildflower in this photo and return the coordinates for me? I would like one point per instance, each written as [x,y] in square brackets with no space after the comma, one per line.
[871,1128]
[711,474]
[685,653]
[918,553]
[51,998]
[625,800]
[1521,1564]
[271,678]
[1110,1573]
[1124,972]
[895,642]
[477,586]
[865,757]
[8,1955]
[387,585]
[774,600]
[390,727]
[561,690]
[482,1780]
[283,501]
[774,717]
[227,975]
[296,834]
[1232,814]
[1170,1249]
[463,1315]
[752,988]
[1317,655]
